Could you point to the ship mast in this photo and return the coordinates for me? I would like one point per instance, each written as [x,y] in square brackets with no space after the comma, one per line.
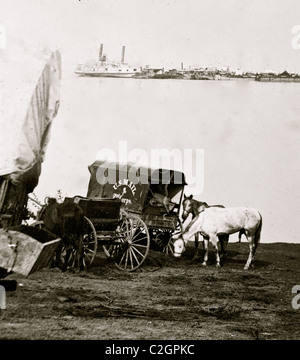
[100,52]
[123,54]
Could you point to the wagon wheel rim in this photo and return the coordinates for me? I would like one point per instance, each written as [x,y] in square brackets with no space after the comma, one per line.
[89,242]
[133,244]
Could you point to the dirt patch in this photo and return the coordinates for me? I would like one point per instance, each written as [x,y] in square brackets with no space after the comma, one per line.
[167,299]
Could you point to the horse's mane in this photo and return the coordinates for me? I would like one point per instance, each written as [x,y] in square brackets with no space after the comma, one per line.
[200,203]
[203,203]
[191,224]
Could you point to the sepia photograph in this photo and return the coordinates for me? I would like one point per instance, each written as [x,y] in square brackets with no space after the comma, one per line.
[149,172]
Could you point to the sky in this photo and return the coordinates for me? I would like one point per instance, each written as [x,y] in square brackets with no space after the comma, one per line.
[254,35]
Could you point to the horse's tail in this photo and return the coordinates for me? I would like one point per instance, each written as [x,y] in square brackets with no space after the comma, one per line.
[258,231]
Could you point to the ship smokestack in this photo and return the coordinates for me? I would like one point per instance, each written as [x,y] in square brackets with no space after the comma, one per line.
[123,54]
[100,52]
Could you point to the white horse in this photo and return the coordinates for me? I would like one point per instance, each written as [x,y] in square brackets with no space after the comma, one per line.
[213,222]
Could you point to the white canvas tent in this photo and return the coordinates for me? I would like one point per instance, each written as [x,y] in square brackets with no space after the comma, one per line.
[29,101]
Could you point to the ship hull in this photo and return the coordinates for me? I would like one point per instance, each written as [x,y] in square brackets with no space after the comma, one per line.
[105,74]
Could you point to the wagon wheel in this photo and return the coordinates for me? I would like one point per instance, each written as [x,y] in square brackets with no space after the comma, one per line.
[165,238]
[131,248]
[89,247]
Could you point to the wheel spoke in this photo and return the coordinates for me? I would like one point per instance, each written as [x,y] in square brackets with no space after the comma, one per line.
[125,254]
[140,245]
[130,256]
[170,248]
[115,250]
[140,239]
[88,251]
[126,259]
[136,233]
[135,249]
[132,251]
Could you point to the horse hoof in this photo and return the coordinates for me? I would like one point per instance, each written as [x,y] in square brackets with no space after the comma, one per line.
[218,266]
[203,264]
[246,267]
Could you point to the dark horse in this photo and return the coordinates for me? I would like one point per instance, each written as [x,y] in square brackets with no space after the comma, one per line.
[194,207]
[66,220]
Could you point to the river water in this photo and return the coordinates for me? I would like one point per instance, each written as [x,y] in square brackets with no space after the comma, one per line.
[238,141]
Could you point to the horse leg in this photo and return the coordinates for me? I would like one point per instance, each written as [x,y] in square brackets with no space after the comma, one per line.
[81,254]
[67,257]
[214,240]
[252,249]
[223,244]
[255,238]
[77,244]
[196,246]
[57,257]
[205,247]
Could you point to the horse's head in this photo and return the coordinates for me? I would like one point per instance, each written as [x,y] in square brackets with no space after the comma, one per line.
[179,242]
[179,247]
[187,207]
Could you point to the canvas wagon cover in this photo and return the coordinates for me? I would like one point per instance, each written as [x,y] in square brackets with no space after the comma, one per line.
[131,182]
[29,101]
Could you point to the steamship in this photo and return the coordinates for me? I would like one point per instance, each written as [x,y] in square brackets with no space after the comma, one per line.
[104,68]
